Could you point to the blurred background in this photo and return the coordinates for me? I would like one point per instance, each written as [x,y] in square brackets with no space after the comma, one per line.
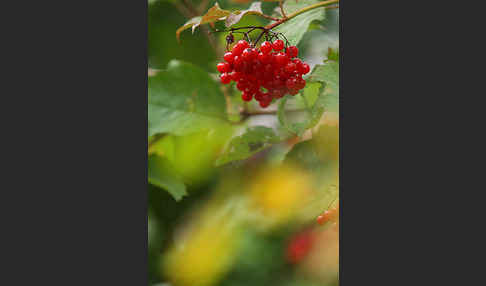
[250,222]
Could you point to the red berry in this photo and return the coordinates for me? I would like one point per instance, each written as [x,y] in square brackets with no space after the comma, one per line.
[223,67]
[249,54]
[305,68]
[246,54]
[239,47]
[290,67]
[300,83]
[266,47]
[293,91]
[236,76]
[241,85]
[225,78]
[277,93]
[291,83]
[264,103]
[278,45]
[281,59]
[292,51]
[237,60]
[246,96]
[264,58]
[321,220]
[229,57]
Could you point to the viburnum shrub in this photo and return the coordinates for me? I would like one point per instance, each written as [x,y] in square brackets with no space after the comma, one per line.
[265,73]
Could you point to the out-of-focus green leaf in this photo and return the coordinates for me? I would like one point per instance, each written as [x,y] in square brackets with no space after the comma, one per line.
[295,28]
[184,99]
[328,73]
[252,141]
[191,23]
[163,20]
[305,154]
[161,174]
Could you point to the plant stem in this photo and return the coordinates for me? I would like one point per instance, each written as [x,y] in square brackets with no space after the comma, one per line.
[268,17]
[280,3]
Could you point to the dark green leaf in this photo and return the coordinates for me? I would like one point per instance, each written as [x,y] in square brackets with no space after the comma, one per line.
[161,174]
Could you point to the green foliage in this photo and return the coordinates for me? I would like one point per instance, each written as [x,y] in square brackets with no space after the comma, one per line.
[190,136]
[314,112]
[295,28]
[215,14]
[328,73]
[252,141]
[163,20]
[254,9]
[161,174]
[305,155]
[183,99]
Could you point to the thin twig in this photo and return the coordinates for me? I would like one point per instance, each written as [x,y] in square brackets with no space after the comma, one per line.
[268,17]
[280,3]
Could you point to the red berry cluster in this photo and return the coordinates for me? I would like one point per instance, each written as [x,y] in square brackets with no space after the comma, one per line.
[278,72]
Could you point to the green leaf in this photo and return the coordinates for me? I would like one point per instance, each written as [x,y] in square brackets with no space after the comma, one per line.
[314,112]
[305,154]
[328,74]
[214,14]
[161,174]
[184,99]
[252,141]
[235,16]
[295,28]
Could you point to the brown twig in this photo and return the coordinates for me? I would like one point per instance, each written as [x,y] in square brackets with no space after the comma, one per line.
[280,3]
[268,17]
